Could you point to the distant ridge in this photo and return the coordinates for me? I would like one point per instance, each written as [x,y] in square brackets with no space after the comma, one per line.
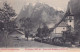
[40,13]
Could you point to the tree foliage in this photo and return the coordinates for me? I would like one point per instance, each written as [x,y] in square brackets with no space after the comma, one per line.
[7,12]
[43,32]
[26,23]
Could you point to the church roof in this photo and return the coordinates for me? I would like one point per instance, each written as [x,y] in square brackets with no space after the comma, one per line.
[62,24]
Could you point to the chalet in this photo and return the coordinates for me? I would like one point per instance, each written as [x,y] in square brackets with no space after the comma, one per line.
[68,21]
[61,27]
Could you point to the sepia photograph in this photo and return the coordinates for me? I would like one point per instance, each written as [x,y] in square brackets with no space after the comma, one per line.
[39,23]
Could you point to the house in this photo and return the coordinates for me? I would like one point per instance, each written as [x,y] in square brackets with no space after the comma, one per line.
[58,31]
[61,27]
[17,34]
[68,21]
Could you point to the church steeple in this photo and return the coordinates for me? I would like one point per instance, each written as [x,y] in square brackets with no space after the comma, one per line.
[70,21]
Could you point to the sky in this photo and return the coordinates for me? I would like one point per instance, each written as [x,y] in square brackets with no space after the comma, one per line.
[18,4]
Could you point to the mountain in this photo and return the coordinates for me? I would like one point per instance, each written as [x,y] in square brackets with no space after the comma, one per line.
[40,14]
[74,5]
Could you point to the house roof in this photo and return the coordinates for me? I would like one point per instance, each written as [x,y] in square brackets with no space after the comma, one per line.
[62,24]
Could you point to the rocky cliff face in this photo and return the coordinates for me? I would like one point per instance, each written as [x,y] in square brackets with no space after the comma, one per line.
[40,13]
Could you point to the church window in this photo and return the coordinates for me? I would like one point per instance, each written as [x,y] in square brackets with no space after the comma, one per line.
[70,20]
[63,28]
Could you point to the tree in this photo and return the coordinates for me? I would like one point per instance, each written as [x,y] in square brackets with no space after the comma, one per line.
[11,26]
[27,24]
[43,32]
[6,12]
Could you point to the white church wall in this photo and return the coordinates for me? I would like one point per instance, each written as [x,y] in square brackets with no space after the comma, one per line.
[60,29]
[71,23]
